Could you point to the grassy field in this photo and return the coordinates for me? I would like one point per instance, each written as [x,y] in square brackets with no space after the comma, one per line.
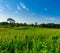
[29,40]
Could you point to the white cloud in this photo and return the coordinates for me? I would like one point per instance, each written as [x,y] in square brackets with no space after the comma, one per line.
[18,7]
[23,6]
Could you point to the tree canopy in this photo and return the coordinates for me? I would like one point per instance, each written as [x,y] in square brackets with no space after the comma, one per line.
[10,20]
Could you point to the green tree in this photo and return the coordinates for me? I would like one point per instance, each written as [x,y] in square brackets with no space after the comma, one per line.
[51,25]
[11,21]
[25,24]
[36,24]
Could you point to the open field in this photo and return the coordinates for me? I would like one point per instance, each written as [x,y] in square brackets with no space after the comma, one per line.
[29,40]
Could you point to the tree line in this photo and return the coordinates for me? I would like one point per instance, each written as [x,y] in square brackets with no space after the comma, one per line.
[11,23]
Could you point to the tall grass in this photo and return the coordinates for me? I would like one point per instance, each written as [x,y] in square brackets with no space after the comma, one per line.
[29,40]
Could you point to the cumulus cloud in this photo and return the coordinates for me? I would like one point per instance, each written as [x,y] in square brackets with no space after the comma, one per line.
[23,6]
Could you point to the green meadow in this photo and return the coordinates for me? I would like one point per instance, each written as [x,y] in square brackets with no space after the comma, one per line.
[29,40]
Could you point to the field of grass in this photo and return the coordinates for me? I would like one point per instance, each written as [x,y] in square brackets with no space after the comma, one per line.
[29,40]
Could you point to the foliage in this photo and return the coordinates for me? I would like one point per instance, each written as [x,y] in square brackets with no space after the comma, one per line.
[29,40]
[11,23]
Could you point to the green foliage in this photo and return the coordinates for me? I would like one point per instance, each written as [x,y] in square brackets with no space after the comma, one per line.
[29,40]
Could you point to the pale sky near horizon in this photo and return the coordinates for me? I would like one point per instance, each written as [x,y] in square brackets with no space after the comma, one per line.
[30,11]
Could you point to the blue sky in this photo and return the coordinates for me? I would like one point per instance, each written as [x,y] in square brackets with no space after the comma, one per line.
[30,11]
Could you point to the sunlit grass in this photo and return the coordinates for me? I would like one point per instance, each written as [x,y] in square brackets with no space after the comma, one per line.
[29,40]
